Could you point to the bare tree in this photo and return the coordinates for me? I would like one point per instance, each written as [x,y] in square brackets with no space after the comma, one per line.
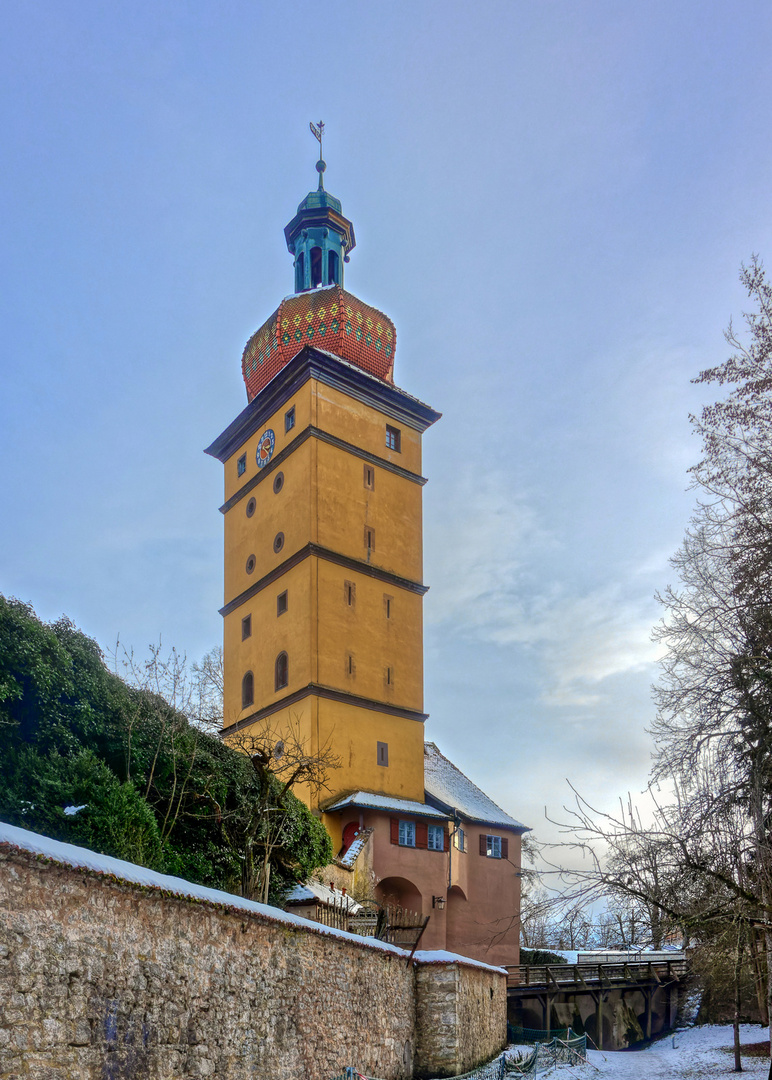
[281,759]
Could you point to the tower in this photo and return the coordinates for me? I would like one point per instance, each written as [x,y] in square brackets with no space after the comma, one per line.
[323,612]
[323,603]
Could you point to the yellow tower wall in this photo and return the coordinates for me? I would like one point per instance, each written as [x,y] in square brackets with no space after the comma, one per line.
[353,625]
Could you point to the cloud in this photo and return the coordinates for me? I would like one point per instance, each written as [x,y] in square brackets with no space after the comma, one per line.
[502,578]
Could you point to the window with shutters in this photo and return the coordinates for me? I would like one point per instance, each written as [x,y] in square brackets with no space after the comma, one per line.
[407,833]
[436,838]
[494,847]
[459,840]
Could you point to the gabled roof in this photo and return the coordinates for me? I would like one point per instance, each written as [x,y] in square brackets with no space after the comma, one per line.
[368,801]
[448,789]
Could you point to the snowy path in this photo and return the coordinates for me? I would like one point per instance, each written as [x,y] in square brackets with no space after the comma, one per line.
[697,1056]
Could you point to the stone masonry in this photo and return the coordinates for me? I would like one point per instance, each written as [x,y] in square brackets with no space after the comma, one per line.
[105,980]
[458,1018]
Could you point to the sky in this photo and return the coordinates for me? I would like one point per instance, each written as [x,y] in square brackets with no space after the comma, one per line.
[551,200]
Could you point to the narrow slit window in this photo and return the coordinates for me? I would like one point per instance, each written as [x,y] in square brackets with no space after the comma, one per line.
[246,627]
[383,754]
[389,676]
[369,539]
[247,690]
[349,593]
[369,477]
[281,671]
[350,665]
[387,606]
[281,603]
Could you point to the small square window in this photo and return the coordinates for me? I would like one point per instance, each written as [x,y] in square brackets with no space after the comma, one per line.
[383,753]
[349,593]
[393,439]
[436,838]
[241,465]
[281,603]
[407,833]
[369,477]
[289,419]
[246,627]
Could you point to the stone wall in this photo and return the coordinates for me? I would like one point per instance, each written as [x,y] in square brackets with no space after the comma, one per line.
[461,1017]
[105,980]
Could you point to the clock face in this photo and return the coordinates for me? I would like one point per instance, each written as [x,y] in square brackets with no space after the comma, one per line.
[265,445]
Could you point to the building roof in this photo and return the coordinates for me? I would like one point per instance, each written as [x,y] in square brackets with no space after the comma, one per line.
[310,891]
[351,854]
[448,788]
[366,800]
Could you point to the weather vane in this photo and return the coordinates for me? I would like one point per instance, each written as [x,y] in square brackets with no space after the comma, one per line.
[317,130]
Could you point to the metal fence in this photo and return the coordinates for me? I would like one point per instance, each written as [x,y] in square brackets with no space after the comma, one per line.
[571,1050]
[494,1070]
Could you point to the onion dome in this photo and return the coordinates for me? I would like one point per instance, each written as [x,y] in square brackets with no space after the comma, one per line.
[327,318]
[320,313]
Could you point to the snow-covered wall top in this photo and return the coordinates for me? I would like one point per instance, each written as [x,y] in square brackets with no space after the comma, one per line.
[83,859]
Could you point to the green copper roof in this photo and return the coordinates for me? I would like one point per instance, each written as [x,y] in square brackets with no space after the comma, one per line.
[319,199]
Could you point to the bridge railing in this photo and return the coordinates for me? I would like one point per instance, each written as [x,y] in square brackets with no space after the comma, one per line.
[561,975]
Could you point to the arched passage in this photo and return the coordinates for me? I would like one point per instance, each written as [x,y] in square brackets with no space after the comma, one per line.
[400,892]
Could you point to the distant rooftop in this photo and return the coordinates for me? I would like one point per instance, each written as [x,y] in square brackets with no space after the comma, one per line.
[309,891]
[449,790]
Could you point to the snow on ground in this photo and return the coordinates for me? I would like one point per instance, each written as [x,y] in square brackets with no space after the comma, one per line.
[697,1055]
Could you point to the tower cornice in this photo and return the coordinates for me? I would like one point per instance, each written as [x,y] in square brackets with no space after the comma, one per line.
[311,363]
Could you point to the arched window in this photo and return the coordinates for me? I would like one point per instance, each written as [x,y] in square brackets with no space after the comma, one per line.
[282,670]
[247,690]
[316,267]
[300,273]
[332,268]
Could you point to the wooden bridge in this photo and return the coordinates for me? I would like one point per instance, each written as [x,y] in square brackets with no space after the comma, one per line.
[616,1003]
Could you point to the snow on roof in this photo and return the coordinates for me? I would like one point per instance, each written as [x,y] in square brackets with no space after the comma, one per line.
[367,800]
[309,891]
[350,856]
[447,786]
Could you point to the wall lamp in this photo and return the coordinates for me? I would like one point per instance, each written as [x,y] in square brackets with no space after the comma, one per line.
[438,902]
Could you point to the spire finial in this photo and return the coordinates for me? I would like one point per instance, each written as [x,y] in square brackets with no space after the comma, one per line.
[317,131]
